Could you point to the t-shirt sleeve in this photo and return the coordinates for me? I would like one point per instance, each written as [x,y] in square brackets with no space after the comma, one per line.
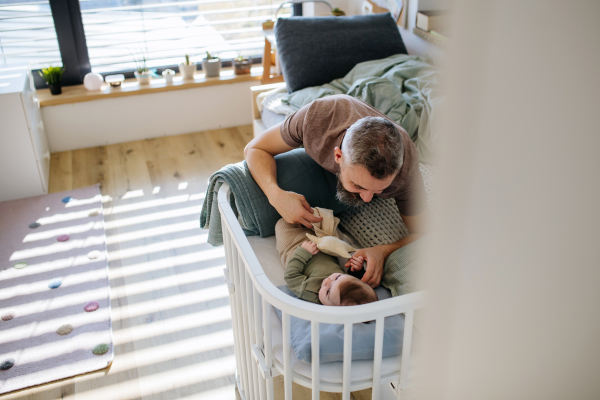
[292,130]
[412,199]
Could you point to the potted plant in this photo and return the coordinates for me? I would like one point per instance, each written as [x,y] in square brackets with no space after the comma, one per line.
[168,74]
[187,69]
[242,65]
[211,66]
[337,12]
[143,74]
[53,76]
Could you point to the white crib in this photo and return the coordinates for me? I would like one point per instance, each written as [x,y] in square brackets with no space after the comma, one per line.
[253,296]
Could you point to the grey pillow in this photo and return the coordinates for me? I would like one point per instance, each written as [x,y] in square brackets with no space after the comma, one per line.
[315,51]
[332,336]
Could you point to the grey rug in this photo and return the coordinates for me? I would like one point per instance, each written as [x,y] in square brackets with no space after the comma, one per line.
[54,289]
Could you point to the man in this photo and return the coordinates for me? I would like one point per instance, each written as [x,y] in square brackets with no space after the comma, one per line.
[369,153]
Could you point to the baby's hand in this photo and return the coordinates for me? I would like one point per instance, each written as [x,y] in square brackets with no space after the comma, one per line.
[356,263]
[311,247]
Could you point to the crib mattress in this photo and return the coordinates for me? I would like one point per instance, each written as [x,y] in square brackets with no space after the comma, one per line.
[330,373]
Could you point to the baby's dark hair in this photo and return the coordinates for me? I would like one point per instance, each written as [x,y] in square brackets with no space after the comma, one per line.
[354,292]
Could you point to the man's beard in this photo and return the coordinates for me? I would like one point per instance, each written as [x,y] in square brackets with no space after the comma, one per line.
[346,197]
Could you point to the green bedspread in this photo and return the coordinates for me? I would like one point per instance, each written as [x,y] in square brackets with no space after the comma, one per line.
[402,87]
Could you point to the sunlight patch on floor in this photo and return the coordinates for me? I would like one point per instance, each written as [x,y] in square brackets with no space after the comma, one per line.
[142,219]
[41,287]
[177,349]
[157,247]
[81,202]
[175,301]
[141,205]
[57,247]
[68,230]
[174,378]
[174,280]
[57,265]
[172,325]
[133,194]
[50,326]
[151,232]
[167,262]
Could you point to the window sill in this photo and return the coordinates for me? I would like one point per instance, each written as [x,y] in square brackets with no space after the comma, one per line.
[130,87]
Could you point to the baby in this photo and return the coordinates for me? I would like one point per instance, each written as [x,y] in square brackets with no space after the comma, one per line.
[315,276]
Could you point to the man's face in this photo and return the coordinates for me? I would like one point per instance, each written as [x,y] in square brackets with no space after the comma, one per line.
[356,186]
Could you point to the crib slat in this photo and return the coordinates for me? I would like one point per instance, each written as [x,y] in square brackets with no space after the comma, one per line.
[248,346]
[232,302]
[379,325]
[244,337]
[287,357]
[251,330]
[315,362]
[347,361]
[268,346]
[243,371]
[406,347]
[258,335]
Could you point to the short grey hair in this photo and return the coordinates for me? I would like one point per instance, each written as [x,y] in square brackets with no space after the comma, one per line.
[376,144]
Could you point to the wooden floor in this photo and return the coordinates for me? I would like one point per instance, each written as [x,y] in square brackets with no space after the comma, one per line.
[170,307]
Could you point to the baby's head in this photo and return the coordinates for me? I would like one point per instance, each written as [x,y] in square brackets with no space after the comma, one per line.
[345,290]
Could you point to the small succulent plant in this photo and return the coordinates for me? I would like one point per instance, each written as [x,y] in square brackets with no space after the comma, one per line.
[52,75]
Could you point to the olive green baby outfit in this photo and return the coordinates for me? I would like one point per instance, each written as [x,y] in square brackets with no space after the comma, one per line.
[304,273]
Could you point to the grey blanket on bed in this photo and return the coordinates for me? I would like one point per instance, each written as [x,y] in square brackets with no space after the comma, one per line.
[402,87]
[296,172]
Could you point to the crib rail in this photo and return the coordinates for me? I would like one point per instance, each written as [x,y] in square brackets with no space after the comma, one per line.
[252,296]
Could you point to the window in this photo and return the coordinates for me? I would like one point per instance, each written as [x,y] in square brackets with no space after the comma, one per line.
[27,34]
[106,36]
[118,31]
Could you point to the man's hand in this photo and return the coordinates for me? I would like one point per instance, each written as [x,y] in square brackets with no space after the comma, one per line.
[294,208]
[375,257]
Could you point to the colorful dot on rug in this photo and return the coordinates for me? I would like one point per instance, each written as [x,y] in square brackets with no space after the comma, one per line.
[20,265]
[34,225]
[7,364]
[92,255]
[7,316]
[67,199]
[54,283]
[65,329]
[93,213]
[91,306]
[100,349]
[63,238]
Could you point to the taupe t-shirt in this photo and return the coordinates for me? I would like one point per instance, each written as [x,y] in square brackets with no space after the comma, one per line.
[321,125]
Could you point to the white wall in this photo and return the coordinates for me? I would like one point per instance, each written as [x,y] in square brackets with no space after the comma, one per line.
[515,273]
[124,119]
[414,44]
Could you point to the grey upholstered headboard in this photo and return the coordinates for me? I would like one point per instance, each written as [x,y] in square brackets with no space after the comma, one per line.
[315,51]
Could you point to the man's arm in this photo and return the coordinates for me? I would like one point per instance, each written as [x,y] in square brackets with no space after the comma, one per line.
[260,156]
[375,256]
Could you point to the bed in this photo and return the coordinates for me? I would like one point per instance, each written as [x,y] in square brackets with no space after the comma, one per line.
[263,315]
